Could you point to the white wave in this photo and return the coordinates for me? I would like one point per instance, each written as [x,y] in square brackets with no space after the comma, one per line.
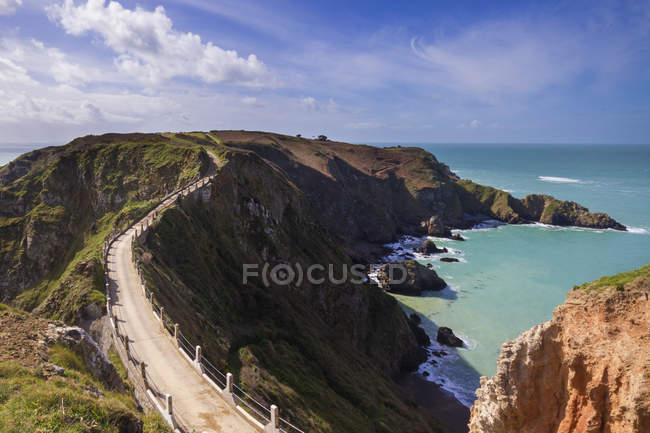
[437,374]
[550,227]
[558,179]
[485,225]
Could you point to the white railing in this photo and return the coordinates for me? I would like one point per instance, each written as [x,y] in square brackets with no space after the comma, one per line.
[257,414]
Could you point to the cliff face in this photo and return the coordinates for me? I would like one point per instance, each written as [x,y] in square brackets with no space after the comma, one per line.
[586,370]
[322,352]
[57,205]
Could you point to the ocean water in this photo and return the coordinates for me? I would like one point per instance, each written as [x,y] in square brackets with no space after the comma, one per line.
[511,277]
[9,152]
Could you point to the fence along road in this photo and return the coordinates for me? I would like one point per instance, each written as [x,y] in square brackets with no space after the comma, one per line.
[194,400]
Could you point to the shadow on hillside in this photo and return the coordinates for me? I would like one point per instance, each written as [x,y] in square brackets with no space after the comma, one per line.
[440,403]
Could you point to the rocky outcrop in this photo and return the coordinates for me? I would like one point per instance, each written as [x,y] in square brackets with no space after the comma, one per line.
[548,210]
[494,203]
[435,226]
[420,335]
[429,247]
[586,370]
[409,278]
[447,337]
[77,340]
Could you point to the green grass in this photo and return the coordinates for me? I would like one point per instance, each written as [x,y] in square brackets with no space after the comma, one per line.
[154,423]
[30,402]
[64,357]
[617,281]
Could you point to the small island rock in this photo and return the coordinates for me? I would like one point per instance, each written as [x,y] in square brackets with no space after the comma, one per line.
[429,247]
[446,336]
[409,278]
[449,259]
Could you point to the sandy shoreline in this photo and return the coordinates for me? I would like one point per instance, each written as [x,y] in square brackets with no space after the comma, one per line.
[438,402]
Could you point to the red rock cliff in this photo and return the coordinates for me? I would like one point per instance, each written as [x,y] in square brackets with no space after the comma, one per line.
[586,370]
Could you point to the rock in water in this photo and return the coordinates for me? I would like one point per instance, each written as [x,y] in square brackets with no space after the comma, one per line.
[409,278]
[429,247]
[457,237]
[446,336]
[449,259]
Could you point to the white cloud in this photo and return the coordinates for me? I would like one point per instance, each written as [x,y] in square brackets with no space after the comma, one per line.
[8,7]
[311,104]
[38,59]
[151,50]
[11,73]
[474,123]
[504,57]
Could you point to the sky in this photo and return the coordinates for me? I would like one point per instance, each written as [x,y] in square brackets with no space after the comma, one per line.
[365,71]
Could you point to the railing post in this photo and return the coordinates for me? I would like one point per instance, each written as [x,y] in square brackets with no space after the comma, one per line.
[109,311]
[143,370]
[162,318]
[176,334]
[127,347]
[168,403]
[275,419]
[197,359]
[229,382]
[274,424]
[228,395]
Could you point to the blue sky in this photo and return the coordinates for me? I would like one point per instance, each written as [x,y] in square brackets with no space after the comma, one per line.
[366,71]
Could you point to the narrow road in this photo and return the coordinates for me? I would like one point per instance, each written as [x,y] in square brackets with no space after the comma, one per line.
[198,403]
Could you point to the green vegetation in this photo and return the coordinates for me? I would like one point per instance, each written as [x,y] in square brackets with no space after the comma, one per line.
[477,199]
[617,281]
[72,198]
[64,357]
[32,402]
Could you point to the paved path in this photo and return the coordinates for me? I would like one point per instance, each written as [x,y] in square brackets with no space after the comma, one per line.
[198,403]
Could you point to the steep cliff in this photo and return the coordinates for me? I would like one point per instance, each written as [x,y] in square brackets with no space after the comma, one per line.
[366,194]
[323,352]
[586,370]
[58,205]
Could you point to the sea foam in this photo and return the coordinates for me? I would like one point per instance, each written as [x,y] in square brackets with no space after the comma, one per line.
[558,179]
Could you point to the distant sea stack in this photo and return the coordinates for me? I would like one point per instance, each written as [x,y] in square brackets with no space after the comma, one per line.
[586,370]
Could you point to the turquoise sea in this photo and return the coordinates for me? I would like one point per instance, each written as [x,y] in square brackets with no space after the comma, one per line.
[512,277]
